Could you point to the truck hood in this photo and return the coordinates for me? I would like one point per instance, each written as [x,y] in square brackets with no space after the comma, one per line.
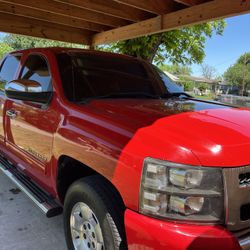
[218,135]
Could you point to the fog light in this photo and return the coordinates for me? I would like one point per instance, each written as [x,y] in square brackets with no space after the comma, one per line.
[187,205]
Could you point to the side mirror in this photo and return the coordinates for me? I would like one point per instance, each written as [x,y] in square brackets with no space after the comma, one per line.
[27,90]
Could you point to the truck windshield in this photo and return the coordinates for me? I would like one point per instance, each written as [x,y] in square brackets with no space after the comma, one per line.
[86,76]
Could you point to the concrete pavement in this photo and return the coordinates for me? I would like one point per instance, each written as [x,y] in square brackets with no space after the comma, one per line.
[23,226]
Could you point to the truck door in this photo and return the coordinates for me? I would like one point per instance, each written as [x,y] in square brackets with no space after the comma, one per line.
[32,124]
[8,69]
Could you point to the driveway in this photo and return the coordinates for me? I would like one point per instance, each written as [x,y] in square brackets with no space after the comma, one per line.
[23,226]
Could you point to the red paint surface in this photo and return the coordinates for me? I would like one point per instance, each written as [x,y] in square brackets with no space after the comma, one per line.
[144,233]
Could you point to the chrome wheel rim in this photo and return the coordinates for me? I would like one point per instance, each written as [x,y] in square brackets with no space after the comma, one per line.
[85,228]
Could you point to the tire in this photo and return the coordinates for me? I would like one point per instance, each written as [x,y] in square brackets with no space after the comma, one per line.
[94,216]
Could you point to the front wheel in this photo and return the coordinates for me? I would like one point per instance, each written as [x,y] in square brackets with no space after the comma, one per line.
[93,216]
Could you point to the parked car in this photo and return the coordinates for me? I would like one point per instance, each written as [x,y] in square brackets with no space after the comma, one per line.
[131,160]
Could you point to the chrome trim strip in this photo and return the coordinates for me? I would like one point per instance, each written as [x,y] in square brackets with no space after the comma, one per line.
[43,206]
[245,243]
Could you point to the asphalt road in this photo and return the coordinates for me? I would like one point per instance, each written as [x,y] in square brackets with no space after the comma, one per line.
[23,226]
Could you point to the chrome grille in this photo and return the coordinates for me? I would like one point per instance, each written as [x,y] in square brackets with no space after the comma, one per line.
[244,179]
[237,197]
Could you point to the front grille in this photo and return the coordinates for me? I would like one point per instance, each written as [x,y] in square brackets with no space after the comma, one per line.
[237,197]
[244,179]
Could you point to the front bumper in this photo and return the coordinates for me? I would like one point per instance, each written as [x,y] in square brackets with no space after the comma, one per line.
[145,233]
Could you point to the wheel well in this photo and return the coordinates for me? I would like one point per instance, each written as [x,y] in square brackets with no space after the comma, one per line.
[70,170]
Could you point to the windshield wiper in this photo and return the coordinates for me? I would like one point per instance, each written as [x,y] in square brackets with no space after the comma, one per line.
[121,95]
[176,94]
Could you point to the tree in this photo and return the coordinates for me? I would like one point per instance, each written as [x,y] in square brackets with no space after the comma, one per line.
[187,83]
[183,46]
[208,71]
[4,49]
[239,73]
[18,42]
[176,69]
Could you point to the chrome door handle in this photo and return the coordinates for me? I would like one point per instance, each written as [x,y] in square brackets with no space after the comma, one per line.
[11,113]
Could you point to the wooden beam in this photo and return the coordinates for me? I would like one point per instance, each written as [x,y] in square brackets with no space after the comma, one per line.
[193,15]
[36,28]
[109,7]
[154,6]
[70,11]
[191,2]
[50,17]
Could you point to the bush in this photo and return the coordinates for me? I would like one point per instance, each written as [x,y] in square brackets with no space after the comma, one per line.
[202,87]
[188,85]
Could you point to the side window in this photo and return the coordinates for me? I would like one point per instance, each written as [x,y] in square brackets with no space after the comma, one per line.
[8,70]
[36,69]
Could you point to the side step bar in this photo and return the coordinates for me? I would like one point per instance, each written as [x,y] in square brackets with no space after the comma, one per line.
[42,199]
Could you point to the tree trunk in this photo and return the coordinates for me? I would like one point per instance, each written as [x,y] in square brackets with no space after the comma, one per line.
[154,49]
[243,89]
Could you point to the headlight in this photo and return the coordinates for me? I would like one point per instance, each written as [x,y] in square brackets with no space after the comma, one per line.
[181,192]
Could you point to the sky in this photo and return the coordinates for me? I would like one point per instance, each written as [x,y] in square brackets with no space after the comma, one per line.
[223,51]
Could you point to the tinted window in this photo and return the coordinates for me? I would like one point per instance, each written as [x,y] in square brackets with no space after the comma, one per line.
[89,76]
[8,70]
[117,64]
[36,69]
[85,76]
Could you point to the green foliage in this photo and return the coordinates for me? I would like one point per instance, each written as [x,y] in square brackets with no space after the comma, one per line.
[4,49]
[244,59]
[183,46]
[186,83]
[176,69]
[18,42]
[239,73]
[202,87]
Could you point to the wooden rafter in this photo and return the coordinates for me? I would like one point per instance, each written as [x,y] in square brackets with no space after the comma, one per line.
[193,15]
[19,10]
[50,6]
[190,2]
[154,6]
[36,28]
[94,22]
[109,7]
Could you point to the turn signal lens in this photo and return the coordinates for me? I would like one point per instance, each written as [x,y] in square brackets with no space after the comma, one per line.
[156,176]
[155,202]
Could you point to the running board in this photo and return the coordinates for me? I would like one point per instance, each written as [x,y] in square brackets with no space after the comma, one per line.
[42,199]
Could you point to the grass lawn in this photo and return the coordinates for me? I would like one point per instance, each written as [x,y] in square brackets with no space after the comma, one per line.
[206,97]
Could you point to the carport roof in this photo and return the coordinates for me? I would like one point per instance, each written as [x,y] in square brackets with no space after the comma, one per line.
[94,22]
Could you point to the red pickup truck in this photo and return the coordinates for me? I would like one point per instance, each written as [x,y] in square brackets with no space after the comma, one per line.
[131,160]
